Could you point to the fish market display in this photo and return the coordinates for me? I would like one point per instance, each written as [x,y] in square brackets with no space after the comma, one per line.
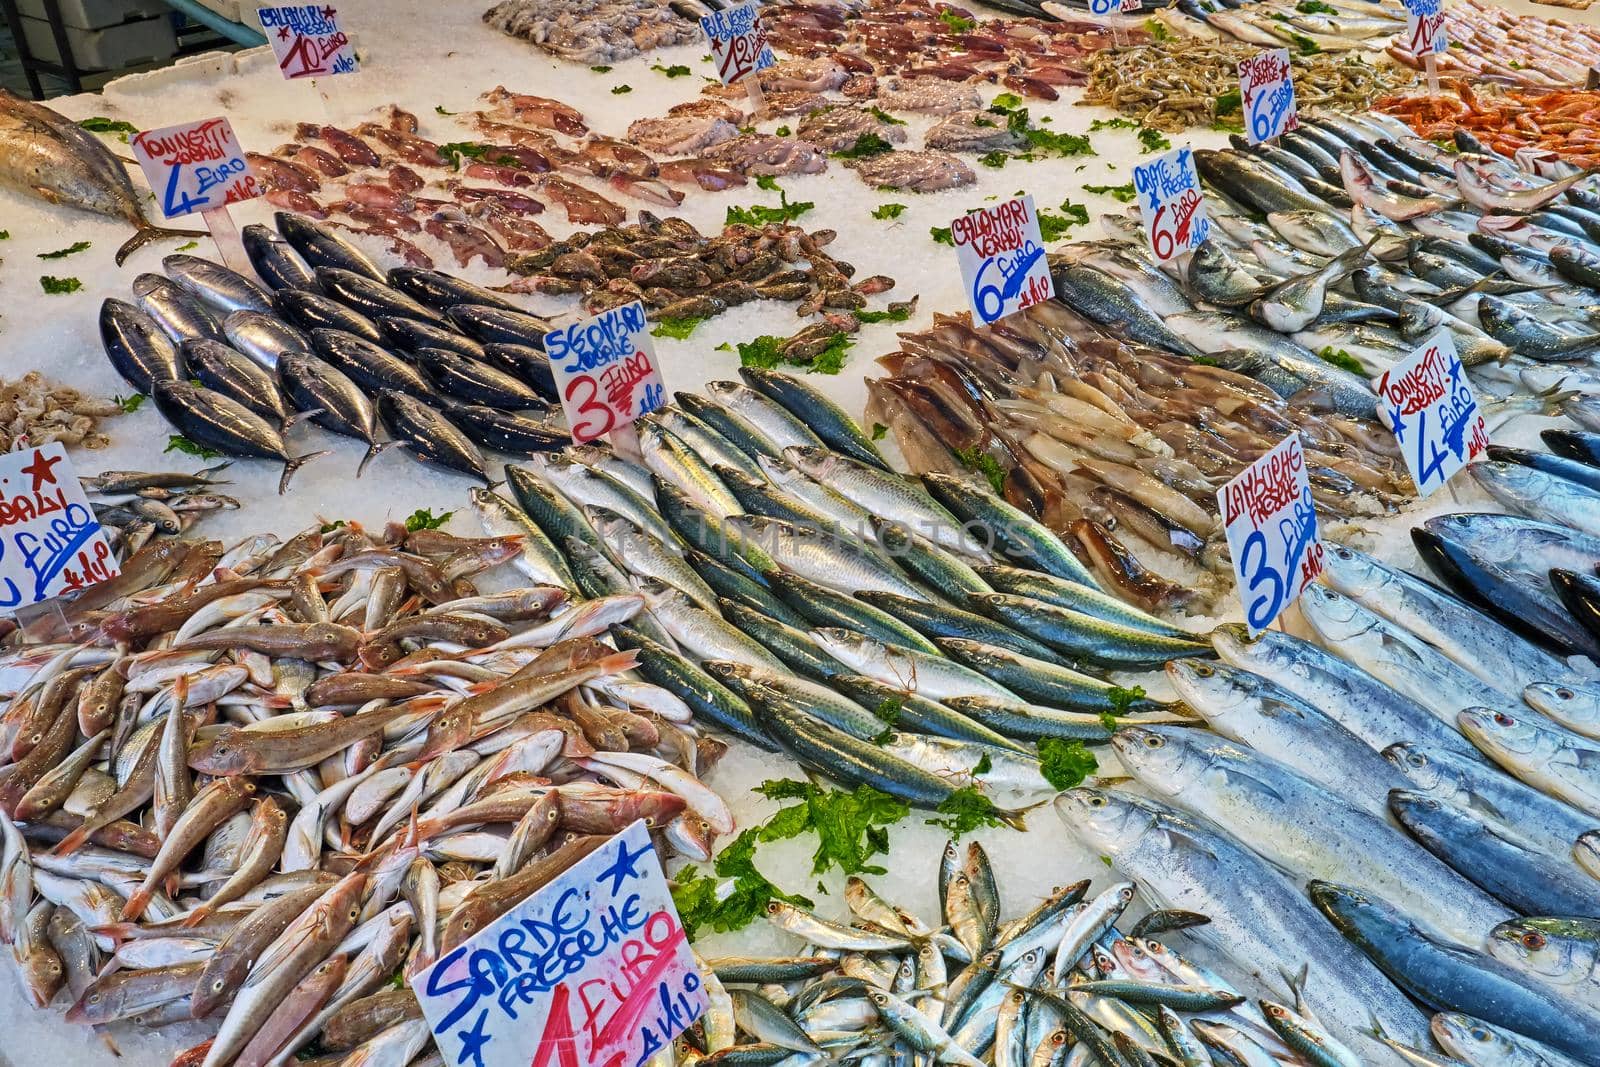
[48,156]
[135,506]
[1531,124]
[33,411]
[251,785]
[1307,29]
[1179,84]
[1487,41]
[593,31]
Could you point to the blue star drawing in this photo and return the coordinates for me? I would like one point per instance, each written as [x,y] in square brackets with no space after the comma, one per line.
[625,866]
[1397,424]
[473,1040]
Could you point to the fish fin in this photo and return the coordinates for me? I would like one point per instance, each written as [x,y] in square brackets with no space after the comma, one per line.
[373,452]
[1013,819]
[196,917]
[301,416]
[73,841]
[147,233]
[137,903]
[617,662]
[292,465]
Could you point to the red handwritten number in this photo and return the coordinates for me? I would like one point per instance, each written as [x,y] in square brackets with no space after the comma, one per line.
[584,432]
[1160,240]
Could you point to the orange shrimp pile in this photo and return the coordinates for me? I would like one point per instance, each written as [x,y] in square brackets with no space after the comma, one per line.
[1565,122]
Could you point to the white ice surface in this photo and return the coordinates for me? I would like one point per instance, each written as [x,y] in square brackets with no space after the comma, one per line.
[427,55]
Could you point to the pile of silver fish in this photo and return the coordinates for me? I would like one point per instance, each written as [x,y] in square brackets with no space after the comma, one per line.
[444,366]
[134,506]
[252,785]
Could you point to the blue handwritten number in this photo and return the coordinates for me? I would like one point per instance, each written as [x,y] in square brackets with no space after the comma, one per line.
[1261,120]
[1430,457]
[1257,574]
[173,207]
[987,298]
[13,596]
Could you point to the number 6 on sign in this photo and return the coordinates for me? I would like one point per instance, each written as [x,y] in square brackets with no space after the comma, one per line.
[1272,532]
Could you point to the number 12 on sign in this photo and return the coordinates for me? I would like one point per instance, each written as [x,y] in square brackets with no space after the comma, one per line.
[1272,532]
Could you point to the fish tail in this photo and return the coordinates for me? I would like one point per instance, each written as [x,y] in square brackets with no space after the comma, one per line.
[617,662]
[73,841]
[1013,819]
[374,450]
[147,233]
[196,917]
[292,465]
[137,903]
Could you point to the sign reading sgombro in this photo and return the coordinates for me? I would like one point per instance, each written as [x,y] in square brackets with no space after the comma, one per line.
[605,369]
[1272,532]
[592,970]
[194,167]
[307,40]
[50,541]
[1002,258]
[1428,404]
[1172,210]
[1266,89]
[738,41]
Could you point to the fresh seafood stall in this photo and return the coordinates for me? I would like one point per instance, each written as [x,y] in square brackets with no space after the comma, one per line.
[1035,536]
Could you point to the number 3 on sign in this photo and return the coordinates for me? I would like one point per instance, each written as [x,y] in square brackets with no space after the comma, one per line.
[583,399]
[1271,525]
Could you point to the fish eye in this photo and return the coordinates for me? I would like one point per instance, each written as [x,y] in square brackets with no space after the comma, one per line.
[1417,760]
[1533,940]
[1204,671]
[1097,802]
[218,985]
[1276,1011]
[650,822]
[879,998]
[1566,694]
[1342,552]
[772,907]
[1502,719]
[1154,741]
[1479,1034]
[355,913]
[468,924]
[94,998]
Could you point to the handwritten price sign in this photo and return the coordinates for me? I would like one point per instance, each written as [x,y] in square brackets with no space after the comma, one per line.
[1425,32]
[738,41]
[195,167]
[50,541]
[1272,532]
[1428,404]
[1002,259]
[1266,88]
[1102,8]
[593,970]
[307,40]
[606,371]
[1169,200]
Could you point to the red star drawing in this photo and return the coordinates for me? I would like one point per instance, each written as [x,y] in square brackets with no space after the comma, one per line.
[328,13]
[40,469]
[283,33]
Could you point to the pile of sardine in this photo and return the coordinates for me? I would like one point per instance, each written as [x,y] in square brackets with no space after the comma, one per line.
[134,506]
[445,366]
[254,785]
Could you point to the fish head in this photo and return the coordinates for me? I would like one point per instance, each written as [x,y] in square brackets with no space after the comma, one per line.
[1513,480]
[1362,918]
[1351,572]
[229,753]
[1565,703]
[1161,758]
[1333,616]
[1501,731]
[1213,689]
[692,836]
[1470,1040]
[1103,819]
[1410,760]
[1562,950]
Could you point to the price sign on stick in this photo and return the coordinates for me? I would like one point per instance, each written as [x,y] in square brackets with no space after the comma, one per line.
[1428,404]
[1002,259]
[1272,532]
[194,167]
[50,541]
[738,41]
[1266,90]
[606,371]
[307,40]
[1425,32]
[591,970]
[1173,211]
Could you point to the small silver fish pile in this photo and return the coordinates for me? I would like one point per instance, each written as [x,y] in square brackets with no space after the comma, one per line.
[134,506]
[1061,984]
[252,785]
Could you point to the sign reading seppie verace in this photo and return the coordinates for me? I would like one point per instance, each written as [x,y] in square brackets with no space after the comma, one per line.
[307,40]
[1425,33]
[50,541]
[197,166]
[1428,404]
[738,41]
[606,371]
[1170,206]
[1266,94]
[1002,259]
[1272,532]
[593,970]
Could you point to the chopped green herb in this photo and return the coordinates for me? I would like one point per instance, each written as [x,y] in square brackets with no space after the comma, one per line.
[899,314]
[678,329]
[59,286]
[706,903]
[767,182]
[705,59]
[63,253]
[884,117]
[888,710]
[1204,361]
[336,524]
[1053,227]
[677,70]
[1513,64]
[1229,102]
[1005,102]
[1124,698]
[1306,45]
[984,765]
[5,235]
[996,159]
[767,352]
[186,246]
[455,151]
[101,124]
[866,146]
[1018,122]
[781,131]
[983,123]
[1065,764]
[759,215]
[129,404]
[425,519]
[1341,359]
[851,826]
[1315,7]
[179,443]
[831,359]
[1228,127]
[1106,860]
[1124,193]
[1158,29]
[1118,123]
[1108,721]
[438,109]
[888,211]
[965,810]
[878,431]
[618,90]
[975,459]
[1153,140]
[955,22]
[942,235]
[601,68]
